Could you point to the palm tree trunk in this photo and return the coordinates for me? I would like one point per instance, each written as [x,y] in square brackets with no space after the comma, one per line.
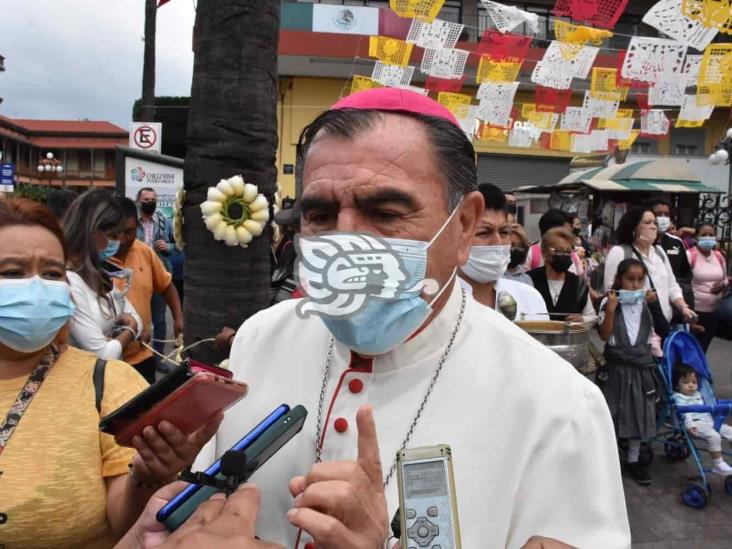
[147,112]
[232,130]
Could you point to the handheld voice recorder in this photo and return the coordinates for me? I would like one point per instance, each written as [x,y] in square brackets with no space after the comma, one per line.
[427,501]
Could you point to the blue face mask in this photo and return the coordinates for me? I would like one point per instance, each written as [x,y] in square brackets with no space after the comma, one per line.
[366,290]
[111,249]
[707,242]
[32,311]
[631,297]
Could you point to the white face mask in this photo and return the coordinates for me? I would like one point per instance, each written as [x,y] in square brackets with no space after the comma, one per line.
[663,223]
[487,263]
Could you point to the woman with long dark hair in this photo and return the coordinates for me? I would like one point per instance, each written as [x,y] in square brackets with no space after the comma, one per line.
[636,237]
[104,322]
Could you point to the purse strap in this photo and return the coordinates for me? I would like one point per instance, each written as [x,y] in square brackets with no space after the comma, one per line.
[25,396]
[640,258]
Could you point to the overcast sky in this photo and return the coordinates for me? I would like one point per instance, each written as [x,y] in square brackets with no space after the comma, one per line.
[76,59]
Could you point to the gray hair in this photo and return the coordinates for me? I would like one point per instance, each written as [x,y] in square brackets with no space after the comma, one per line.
[95,210]
[453,151]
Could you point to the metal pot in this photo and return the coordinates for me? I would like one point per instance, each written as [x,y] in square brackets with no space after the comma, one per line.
[570,340]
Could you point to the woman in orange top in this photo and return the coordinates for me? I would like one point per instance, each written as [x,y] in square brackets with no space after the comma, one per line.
[63,483]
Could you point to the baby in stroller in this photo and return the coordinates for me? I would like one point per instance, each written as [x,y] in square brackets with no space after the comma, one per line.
[700,424]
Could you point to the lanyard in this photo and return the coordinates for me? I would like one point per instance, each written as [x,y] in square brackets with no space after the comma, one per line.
[29,390]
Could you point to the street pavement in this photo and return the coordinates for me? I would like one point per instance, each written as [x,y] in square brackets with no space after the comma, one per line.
[658,518]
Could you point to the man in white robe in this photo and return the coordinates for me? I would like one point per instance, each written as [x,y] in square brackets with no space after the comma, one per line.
[532,440]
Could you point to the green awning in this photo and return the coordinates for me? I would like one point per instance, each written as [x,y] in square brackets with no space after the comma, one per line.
[668,186]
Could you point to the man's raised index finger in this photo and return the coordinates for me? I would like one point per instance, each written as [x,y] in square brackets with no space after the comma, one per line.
[369,458]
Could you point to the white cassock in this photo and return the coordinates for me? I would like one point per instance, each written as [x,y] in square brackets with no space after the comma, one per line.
[533,445]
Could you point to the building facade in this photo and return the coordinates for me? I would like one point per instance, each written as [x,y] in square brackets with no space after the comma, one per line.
[85,150]
[316,69]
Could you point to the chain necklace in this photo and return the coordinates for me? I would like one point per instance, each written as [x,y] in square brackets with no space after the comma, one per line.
[420,409]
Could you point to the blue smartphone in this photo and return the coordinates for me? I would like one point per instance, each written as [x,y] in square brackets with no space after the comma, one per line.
[213,470]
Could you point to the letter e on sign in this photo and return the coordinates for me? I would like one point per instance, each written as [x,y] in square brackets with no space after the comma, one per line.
[146,136]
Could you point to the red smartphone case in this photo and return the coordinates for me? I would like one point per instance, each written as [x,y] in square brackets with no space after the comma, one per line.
[189,407]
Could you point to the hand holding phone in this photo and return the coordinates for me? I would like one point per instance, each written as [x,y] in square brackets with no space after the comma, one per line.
[185,402]
[189,407]
[164,450]
[256,448]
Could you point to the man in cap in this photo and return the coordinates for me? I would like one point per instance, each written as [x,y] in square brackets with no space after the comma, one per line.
[389,210]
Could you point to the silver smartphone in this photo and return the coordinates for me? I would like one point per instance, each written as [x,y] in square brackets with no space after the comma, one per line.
[427,501]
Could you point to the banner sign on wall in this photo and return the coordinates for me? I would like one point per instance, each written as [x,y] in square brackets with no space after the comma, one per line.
[137,170]
[7,178]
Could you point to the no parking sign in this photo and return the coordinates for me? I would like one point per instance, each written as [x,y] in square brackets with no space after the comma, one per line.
[146,136]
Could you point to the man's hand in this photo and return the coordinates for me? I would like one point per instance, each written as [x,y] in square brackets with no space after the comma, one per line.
[216,523]
[224,337]
[694,431]
[146,335]
[126,319]
[651,296]
[147,531]
[160,245]
[222,523]
[538,542]
[342,503]
[178,327]
[163,452]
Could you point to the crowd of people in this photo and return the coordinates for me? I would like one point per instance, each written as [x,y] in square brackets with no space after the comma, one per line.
[84,289]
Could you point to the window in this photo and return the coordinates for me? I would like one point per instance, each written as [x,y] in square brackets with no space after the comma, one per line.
[687,150]
[644,147]
[640,148]
[688,141]
[84,161]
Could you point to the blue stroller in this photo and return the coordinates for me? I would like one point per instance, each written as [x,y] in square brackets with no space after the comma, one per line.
[683,347]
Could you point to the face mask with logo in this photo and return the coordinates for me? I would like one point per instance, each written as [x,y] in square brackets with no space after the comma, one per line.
[631,297]
[518,257]
[487,263]
[32,312]
[148,208]
[333,271]
[707,242]
[111,249]
[663,223]
[561,263]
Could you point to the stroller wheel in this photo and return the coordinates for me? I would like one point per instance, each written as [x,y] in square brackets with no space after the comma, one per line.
[728,484]
[675,448]
[695,495]
[646,454]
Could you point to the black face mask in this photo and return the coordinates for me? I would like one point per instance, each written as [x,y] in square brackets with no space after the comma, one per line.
[511,209]
[561,263]
[148,207]
[518,257]
[577,230]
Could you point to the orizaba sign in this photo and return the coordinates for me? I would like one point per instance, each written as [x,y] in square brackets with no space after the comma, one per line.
[165,180]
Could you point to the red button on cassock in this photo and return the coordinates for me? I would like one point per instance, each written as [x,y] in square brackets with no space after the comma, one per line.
[355,385]
[341,425]
[309,545]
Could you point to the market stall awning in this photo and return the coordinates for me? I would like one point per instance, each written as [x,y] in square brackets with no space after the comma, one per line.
[671,175]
